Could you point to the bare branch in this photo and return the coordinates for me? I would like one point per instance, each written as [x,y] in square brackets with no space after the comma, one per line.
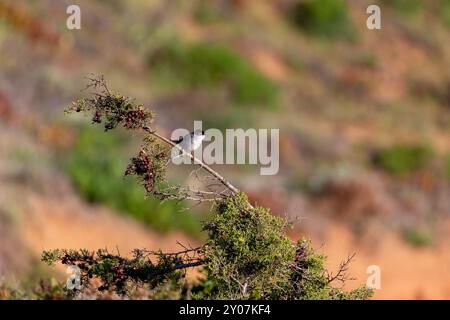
[225,182]
[341,274]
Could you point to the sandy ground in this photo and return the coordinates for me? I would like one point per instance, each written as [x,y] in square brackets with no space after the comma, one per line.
[92,227]
[406,272]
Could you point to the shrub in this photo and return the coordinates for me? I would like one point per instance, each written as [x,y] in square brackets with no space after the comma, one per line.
[207,65]
[418,237]
[412,8]
[401,160]
[247,254]
[328,18]
[407,7]
[249,257]
[447,167]
[444,12]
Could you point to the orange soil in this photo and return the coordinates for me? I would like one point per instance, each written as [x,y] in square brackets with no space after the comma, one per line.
[406,272]
[51,223]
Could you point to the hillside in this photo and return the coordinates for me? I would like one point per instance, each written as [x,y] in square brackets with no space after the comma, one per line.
[363,118]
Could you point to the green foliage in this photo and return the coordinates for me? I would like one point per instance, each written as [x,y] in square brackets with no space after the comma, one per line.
[249,257]
[444,12]
[96,164]
[116,272]
[447,167]
[327,18]
[401,160]
[418,237]
[407,7]
[311,281]
[246,247]
[212,66]
[413,8]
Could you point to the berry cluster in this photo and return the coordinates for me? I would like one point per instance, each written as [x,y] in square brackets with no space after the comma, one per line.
[131,117]
[134,119]
[142,167]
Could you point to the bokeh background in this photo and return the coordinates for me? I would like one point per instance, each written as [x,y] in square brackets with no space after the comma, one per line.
[363,117]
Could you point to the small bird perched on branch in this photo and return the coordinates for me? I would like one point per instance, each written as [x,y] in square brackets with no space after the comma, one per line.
[190,142]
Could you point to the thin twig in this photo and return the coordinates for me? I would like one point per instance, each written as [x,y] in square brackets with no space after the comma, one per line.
[341,274]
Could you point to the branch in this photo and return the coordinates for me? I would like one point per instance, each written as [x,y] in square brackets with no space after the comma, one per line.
[114,110]
[214,173]
[341,275]
[180,266]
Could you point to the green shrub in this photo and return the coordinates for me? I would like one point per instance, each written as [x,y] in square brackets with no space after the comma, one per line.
[212,66]
[406,7]
[447,167]
[250,257]
[401,160]
[418,237]
[444,12]
[411,8]
[322,17]
[96,165]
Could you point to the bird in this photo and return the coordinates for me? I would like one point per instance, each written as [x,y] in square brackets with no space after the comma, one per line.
[190,142]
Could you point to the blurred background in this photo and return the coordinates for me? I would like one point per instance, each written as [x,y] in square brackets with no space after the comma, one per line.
[363,117]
